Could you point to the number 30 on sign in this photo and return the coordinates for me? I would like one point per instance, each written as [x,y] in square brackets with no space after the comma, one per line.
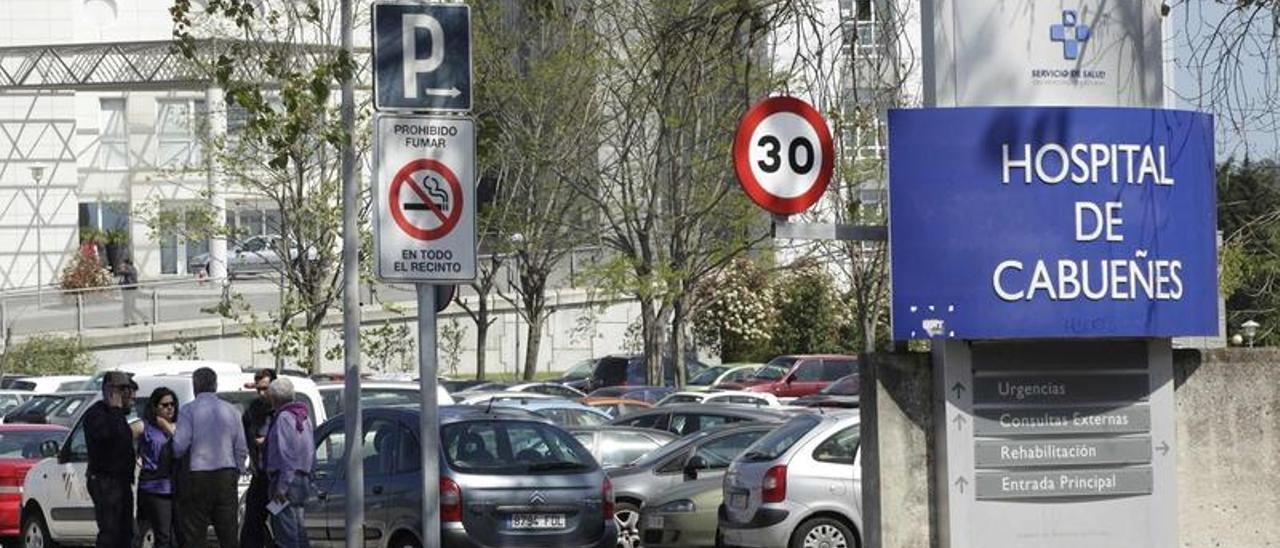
[783,155]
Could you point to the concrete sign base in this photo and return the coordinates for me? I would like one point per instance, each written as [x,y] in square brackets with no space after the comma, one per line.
[1055,444]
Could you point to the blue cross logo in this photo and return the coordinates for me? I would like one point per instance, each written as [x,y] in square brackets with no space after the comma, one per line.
[1071,33]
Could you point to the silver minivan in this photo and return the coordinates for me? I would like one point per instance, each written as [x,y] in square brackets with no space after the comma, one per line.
[799,487]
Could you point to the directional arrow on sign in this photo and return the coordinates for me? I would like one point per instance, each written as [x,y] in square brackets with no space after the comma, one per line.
[959,420]
[958,388]
[451,92]
[961,482]
[1163,448]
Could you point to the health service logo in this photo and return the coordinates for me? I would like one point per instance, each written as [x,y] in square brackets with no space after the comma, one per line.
[1071,33]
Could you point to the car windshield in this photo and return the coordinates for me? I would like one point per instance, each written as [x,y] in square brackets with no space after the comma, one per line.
[771,372]
[779,441]
[26,445]
[513,448]
[670,449]
[708,376]
[847,386]
[580,370]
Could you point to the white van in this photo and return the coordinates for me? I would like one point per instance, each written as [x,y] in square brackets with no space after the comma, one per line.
[56,507]
[163,367]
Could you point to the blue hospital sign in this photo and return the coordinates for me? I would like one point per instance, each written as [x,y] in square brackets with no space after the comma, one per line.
[1052,222]
[422,56]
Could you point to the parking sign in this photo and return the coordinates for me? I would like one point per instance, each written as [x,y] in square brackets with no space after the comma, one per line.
[422,56]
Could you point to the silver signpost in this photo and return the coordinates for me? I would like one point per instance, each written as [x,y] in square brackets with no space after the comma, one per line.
[424,184]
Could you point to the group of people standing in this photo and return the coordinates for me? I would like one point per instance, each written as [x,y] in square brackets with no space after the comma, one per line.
[190,462]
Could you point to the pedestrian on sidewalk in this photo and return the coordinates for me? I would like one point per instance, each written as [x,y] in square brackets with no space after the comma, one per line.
[210,435]
[129,292]
[109,441]
[290,459]
[155,480]
[256,418]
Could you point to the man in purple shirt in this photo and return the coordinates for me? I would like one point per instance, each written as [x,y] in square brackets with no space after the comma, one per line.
[290,457]
[210,435]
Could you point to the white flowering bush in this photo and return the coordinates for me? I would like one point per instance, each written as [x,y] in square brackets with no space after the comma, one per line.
[738,317]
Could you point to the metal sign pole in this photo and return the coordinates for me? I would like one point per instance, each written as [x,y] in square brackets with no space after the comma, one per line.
[429,425]
[354,464]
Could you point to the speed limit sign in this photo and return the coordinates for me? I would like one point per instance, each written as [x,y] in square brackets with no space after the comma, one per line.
[783,155]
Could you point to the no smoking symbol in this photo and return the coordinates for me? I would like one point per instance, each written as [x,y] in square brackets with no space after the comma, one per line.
[431,192]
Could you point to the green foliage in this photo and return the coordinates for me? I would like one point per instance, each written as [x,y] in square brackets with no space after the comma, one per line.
[387,348]
[451,335]
[48,355]
[184,350]
[739,319]
[1249,217]
[809,311]
[86,271]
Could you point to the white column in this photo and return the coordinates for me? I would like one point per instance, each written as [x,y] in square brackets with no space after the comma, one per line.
[216,105]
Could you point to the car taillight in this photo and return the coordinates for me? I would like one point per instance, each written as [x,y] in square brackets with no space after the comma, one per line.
[606,497]
[450,500]
[775,484]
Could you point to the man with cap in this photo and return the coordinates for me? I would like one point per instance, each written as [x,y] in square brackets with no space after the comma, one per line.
[112,459]
[253,532]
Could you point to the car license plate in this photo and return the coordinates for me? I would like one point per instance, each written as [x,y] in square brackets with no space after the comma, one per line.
[738,500]
[537,521]
[654,522]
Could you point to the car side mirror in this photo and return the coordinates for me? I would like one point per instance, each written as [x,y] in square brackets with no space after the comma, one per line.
[692,466]
[49,448]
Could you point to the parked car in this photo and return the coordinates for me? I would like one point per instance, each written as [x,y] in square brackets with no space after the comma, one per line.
[578,375]
[482,398]
[767,373]
[377,394]
[9,399]
[69,409]
[48,384]
[524,482]
[163,367]
[458,385]
[712,376]
[614,446]
[705,454]
[843,393]
[563,413]
[686,419]
[616,407]
[648,394]
[804,375]
[741,397]
[633,370]
[35,410]
[797,487]
[21,447]
[548,388]
[684,517]
[677,398]
[254,255]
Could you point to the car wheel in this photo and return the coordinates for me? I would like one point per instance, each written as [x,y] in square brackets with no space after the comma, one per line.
[823,533]
[146,535]
[35,534]
[406,542]
[627,516]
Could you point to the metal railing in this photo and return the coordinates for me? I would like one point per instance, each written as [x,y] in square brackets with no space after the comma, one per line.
[30,311]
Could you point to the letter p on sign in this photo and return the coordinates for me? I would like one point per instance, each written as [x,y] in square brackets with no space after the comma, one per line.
[421,57]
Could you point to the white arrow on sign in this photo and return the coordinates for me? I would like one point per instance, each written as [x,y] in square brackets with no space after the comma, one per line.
[451,92]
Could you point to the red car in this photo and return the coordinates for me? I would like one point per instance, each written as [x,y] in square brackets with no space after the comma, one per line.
[21,447]
[795,376]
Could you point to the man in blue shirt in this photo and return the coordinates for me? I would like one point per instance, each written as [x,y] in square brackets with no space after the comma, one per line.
[290,459]
[209,434]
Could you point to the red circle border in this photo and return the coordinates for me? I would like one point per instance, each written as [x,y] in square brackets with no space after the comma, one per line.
[742,158]
[397,212]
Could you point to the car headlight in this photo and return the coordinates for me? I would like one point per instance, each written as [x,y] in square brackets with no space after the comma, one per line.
[678,507]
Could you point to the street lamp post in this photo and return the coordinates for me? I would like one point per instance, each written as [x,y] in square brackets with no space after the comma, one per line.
[1250,329]
[37,175]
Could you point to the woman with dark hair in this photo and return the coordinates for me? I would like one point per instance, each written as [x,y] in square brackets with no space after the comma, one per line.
[155,450]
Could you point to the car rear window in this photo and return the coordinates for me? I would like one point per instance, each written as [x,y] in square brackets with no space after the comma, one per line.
[513,448]
[779,441]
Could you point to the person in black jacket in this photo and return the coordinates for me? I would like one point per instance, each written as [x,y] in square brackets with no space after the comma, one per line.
[155,479]
[253,533]
[109,440]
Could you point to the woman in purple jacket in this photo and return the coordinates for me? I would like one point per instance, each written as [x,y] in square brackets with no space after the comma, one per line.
[155,480]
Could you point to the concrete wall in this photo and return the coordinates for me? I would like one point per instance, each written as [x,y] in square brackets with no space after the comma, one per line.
[1228,449]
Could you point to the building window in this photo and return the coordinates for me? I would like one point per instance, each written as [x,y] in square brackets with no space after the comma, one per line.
[104,216]
[113,138]
[871,138]
[248,221]
[178,125]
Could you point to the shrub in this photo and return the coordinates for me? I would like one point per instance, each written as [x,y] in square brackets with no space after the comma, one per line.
[48,355]
[86,271]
